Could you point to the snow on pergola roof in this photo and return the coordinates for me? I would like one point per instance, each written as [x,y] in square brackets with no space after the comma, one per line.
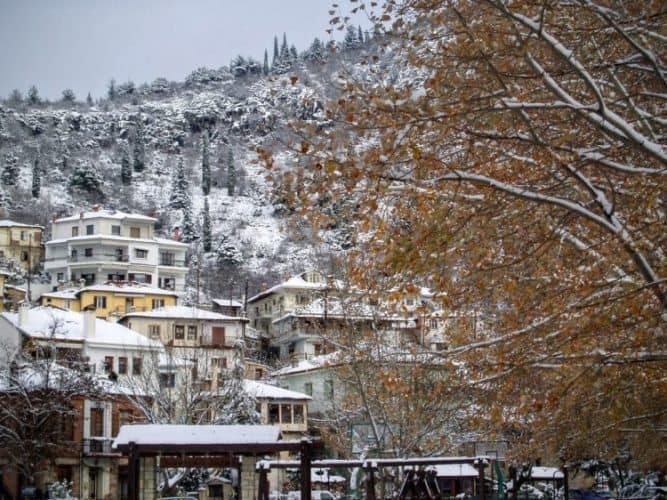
[182,312]
[183,435]
[546,473]
[266,391]
[455,470]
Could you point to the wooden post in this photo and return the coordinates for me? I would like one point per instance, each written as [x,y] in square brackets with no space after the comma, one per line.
[305,469]
[566,484]
[133,473]
[480,463]
[370,480]
[263,467]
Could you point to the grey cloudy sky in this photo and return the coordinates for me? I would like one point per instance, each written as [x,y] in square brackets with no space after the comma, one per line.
[82,44]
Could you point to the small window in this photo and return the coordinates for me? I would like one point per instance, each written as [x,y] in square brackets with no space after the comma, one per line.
[259,373]
[308,388]
[192,332]
[90,229]
[154,331]
[274,414]
[157,303]
[328,389]
[167,380]
[115,230]
[179,331]
[136,366]
[108,364]
[122,366]
[60,277]
[88,252]
[100,302]
[286,414]
[23,236]
[24,256]
[298,414]
[74,253]
[135,232]
[140,253]
[75,231]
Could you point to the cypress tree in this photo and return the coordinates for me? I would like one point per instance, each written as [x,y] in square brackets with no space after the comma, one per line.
[231,173]
[276,55]
[284,50]
[138,153]
[36,177]
[180,196]
[205,166]
[206,227]
[265,68]
[189,231]
[125,168]
[10,170]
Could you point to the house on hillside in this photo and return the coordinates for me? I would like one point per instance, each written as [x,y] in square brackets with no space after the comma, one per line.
[228,307]
[111,300]
[21,245]
[102,245]
[81,441]
[77,339]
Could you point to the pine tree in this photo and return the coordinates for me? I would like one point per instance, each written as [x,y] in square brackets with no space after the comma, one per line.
[265,67]
[33,95]
[10,170]
[231,173]
[89,99]
[125,168]
[111,90]
[315,52]
[294,55]
[138,159]
[16,97]
[284,50]
[87,179]
[205,166]
[360,35]
[228,254]
[36,177]
[276,54]
[68,96]
[180,195]
[188,229]
[350,41]
[206,227]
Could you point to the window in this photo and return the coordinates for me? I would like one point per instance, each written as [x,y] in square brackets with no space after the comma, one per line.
[88,252]
[140,278]
[97,422]
[75,231]
[24,256]
[179,331]
[167,258]
[74,254]
[167,380]
[100,302]
[220,362]
[23,236]
[108,363]
[274,414]
[90,229]
[140,253]
[136,366]
[60,277]
[122,366]
[218,335]
[259,373]
[154,331]
[308,388]
[135,232]
[115,230]
[298,414]
[157,303]
[88,278]
[328,388]
[125,417]
[286,414]
[192,332]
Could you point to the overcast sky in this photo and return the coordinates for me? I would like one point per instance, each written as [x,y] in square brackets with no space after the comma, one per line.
[82,44]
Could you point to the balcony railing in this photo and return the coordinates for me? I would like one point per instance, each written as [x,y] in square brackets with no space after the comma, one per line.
[172,262]
[98,446]
[99,257]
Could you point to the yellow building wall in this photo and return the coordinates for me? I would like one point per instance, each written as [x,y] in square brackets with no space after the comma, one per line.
[14,241]
[60,303]
[118,305]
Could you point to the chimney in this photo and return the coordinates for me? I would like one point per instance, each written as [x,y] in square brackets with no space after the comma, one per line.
[89,320]
[24,307]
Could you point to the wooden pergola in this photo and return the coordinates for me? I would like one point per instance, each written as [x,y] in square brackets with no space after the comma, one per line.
[206,445]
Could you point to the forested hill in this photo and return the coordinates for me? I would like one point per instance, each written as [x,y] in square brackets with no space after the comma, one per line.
[149,148]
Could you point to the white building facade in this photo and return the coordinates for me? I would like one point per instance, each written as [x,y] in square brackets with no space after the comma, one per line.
[99,246]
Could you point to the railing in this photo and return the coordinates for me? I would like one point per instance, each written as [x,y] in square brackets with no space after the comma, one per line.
[98,257]
[172,262]
[98,446]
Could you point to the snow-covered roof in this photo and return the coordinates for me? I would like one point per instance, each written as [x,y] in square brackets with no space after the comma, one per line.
[182,312]
[106,214]
[306,365]
[455,470]
[266,391]
[40,321]
[124,239]
[546,473]
[170,242]
[11,223]
[163,434]
[227,302]
[293,283]
[69,294]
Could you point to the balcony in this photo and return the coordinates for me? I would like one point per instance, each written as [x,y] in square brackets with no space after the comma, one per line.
[98,446]
[99,257]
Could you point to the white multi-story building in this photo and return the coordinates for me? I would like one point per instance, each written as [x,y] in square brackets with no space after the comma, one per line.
[99,246]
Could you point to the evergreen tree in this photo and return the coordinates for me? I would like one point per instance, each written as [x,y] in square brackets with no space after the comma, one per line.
[85,178]
[188,229]
[360,35]
[206,227]
[125,168]
[265,67]
[294,55]
[350,41]
[10,170]
[205,166]
[16,97]
[228,254]
[138,157]
[36,177]
[68,96]
[111,90]
[276,55]
[89,99]
[231,173]
[284,50]
[33,95]
[316,51]
[180,195]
